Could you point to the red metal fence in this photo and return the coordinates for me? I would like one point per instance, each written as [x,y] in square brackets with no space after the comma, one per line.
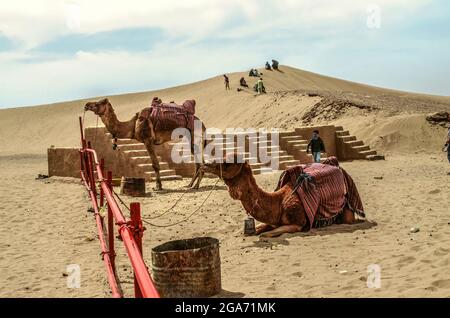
[130,232]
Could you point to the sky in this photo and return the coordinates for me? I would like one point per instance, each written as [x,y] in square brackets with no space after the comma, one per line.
[59,50]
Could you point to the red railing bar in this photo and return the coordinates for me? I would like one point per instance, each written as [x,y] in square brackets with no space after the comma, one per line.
[112,252]
[135,211]
[109,269]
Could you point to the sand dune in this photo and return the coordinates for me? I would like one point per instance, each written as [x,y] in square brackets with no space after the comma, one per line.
[46,225]
[31,130]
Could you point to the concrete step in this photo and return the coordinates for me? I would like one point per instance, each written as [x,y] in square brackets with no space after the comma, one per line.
[287,133]
[136,153]
[143,159]
[297,147]
[283,158]
[347,138]
[342,133]
[149,167]
[126,141]
[339,128]
[297,142]
[368,153]
[361,148]
[260,142]
[293,137]
[354,143]
[131,147]
[163,172]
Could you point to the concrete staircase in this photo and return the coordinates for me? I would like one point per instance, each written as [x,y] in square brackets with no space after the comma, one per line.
[131,157]
[138,156]
[350,148]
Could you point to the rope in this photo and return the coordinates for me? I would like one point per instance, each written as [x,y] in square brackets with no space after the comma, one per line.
[176,223]
[96,128]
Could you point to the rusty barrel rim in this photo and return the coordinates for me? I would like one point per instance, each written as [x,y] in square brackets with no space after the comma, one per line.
[178,246]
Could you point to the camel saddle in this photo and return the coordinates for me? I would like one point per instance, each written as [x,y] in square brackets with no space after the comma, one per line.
[325,190]
[169,116]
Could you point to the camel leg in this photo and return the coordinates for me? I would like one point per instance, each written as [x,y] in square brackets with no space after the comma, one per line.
[194,177]
[198,173]
[155,164]
[263,228]
[291,228]
[348,217]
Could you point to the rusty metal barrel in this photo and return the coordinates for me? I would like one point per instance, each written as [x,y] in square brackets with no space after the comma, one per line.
[187,268]
[134,187]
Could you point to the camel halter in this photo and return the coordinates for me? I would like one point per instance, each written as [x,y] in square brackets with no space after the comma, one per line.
[237,173]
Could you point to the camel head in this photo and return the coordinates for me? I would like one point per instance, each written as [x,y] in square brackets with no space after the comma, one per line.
[99,108]
[228,167]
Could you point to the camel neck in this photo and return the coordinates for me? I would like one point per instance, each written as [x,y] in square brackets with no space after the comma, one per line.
[117,128]
[262,205]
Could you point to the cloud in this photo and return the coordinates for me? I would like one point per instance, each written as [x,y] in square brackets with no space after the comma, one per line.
[59,50]
[90,74]
[33,23]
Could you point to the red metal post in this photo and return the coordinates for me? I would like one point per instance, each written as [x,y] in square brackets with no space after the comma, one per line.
[136,223]
[102,168]
[91,171]
[112,251]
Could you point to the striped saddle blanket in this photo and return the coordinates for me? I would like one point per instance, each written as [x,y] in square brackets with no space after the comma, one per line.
[169,116]
[325,191]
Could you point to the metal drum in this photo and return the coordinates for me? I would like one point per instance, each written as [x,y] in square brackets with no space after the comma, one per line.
[134,187]
[187,268]
[249,226]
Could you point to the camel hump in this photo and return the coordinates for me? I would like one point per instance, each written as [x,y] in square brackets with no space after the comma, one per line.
[189,106]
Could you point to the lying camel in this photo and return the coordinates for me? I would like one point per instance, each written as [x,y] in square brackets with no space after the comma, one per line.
[143,130]
[281,211]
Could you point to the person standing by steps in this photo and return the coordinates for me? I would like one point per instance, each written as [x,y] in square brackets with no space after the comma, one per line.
[317,146]
[227,82]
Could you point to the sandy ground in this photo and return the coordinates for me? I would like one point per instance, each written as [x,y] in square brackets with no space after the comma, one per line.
[45,227]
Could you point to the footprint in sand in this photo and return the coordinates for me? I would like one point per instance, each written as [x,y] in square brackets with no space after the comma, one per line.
[297,274]
[441,251]
[406,260]
[442,283]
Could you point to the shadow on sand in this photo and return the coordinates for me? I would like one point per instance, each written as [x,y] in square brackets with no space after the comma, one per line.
[328,230]
[228,294]
[186,189]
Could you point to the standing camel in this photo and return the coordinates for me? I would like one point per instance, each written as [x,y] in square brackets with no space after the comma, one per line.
[284,211]
[142,128]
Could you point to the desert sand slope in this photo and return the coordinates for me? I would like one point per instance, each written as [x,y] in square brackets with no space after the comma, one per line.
[31,130]
[46,227]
